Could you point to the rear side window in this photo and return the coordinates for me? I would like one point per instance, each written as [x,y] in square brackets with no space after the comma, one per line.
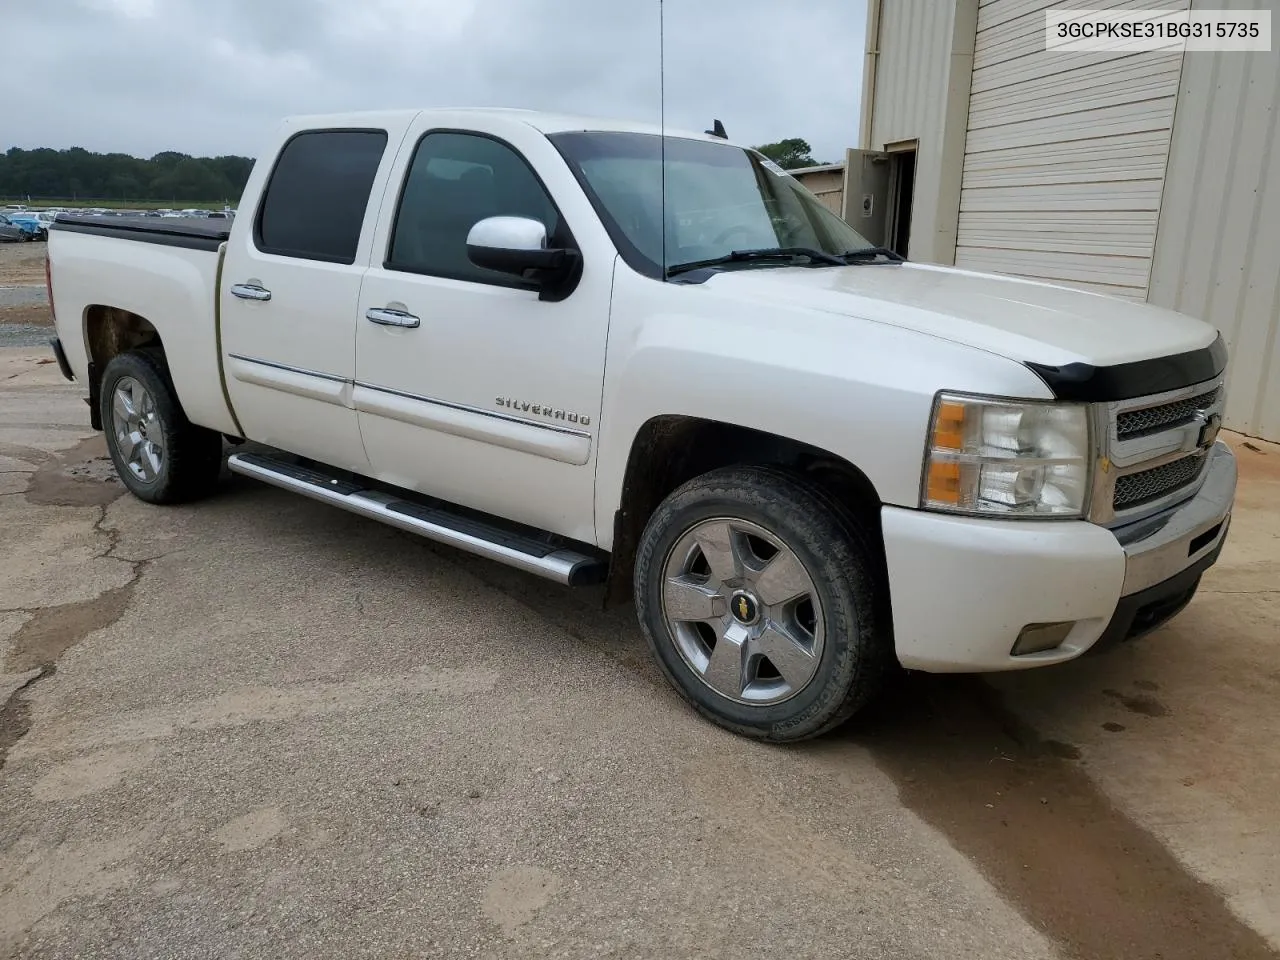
[316,198]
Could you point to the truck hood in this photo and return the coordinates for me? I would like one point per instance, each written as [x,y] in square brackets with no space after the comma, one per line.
[1020,319]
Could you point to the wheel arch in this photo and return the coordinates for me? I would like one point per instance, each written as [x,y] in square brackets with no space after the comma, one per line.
[108,332]
[669,450]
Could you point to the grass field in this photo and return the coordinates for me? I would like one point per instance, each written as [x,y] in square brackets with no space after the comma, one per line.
[119,204]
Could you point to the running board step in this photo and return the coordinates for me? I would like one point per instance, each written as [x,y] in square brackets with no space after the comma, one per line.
[562,564]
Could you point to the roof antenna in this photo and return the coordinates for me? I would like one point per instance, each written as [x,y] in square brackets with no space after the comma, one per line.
[717,130]
[662,130]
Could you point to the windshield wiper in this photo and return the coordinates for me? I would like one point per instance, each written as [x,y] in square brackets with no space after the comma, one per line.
[870,253]
[767,253]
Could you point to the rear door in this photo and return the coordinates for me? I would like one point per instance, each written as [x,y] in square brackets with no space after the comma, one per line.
[491,396]
[289,291]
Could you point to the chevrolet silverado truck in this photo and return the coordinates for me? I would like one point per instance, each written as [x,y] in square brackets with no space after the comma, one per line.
[607,353]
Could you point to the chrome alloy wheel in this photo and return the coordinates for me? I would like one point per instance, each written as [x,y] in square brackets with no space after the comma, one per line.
[139,435]
[743,611]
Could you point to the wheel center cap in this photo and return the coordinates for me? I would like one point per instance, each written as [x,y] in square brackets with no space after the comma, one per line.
[745,608]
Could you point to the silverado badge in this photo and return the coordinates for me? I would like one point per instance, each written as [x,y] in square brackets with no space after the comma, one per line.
[543,410]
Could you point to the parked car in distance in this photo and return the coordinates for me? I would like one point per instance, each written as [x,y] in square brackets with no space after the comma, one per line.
[30,222]
[806,459]
[14,232]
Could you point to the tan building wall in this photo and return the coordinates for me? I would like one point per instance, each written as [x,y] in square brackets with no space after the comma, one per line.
[1217,252]
[919,63]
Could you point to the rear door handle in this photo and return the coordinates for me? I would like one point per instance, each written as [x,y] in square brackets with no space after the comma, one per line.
[391,318]
[250,291]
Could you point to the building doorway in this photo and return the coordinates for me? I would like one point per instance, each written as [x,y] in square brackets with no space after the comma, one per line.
[902,186]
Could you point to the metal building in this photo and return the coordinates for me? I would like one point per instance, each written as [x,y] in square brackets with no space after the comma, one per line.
[1146,175]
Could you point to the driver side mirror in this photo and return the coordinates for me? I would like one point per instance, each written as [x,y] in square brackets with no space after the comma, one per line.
[518,246]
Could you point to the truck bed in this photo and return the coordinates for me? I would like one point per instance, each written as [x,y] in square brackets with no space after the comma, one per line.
[193,233]
[163,272]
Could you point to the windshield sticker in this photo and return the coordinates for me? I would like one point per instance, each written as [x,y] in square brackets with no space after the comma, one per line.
[773,167]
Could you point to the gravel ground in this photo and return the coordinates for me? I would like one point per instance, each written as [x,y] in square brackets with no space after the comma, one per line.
[23,296]
[23,334]
[22,264]
[24,303]
[259,727]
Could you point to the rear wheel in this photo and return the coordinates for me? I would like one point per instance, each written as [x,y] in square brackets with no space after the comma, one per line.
[763,603]
[159,454]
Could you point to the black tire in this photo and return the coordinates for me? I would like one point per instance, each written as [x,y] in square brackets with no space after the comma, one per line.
[192,456]
[841,561]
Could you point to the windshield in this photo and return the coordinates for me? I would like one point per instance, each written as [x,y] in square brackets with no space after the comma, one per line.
[720,198]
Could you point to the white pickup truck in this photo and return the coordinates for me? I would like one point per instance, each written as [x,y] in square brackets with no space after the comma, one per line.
[597,353]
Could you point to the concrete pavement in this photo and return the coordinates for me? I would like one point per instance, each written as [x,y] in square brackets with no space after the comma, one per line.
[257,726]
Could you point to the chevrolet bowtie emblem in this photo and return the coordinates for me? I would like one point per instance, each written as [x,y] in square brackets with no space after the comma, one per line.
[1209,432]
[744,609]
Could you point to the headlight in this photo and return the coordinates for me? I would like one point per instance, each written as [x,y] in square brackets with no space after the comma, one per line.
[1012,458]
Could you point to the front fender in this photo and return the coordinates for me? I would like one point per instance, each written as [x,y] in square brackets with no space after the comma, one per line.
[860,390]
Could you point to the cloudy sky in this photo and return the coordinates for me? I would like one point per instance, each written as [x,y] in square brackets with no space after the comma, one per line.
[213,76]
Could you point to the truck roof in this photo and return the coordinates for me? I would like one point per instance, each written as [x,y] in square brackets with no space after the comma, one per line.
[539,120]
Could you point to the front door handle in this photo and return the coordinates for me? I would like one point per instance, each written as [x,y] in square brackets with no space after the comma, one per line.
[250,291]
[391,318]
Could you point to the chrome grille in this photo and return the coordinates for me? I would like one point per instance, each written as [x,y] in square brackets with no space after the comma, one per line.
[1152,450]
[1135,489]
[1140,423]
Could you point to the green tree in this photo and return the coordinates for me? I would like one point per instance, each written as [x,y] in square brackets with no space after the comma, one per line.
[170,176]
[789,154]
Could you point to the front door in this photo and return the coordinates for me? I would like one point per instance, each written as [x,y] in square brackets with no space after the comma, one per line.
[468,386]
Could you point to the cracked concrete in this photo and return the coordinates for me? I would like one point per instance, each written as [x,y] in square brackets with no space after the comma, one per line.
[265,728]
[256,726]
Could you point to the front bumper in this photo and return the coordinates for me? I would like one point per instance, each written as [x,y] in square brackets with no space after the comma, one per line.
[1166,554]
[963,588]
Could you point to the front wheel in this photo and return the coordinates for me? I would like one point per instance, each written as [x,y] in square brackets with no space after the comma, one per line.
[159,454]
[763,603]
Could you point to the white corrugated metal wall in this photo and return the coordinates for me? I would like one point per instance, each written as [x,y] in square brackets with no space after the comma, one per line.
[1065,153]
[1217,253]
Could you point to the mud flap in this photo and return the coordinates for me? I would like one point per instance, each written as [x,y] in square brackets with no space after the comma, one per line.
[95,393]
